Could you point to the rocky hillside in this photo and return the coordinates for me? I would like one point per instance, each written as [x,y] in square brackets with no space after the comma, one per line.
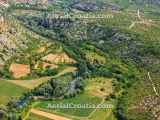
[14,39]
[145,2]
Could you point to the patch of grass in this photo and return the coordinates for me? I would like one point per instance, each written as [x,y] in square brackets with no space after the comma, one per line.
[94,57]
[30,84]
[9,90]
[92,54]
[81,99]
[99,86]
[111,116]
[101,113]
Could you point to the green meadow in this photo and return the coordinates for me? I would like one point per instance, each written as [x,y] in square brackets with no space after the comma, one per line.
[9,90]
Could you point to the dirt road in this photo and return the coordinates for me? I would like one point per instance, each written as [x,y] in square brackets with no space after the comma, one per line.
[153,86]
[48,115]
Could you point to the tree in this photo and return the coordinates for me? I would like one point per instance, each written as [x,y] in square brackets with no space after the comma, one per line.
[3,112]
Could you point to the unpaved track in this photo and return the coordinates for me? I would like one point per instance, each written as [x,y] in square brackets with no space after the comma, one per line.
[48,115]
[153,86]
[141,21]
[96,108]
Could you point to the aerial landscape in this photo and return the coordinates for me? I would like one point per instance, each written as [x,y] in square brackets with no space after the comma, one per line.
[79,59]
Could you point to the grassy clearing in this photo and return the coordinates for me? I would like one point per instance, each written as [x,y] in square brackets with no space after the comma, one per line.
[81,99]
[94,86]
[30,84]
[94,57]
[9,90]
[67,70]
[99,86]
[101,113]
[111,116]
[92,54]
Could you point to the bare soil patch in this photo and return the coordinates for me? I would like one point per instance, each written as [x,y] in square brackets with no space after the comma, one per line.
[19,70]
[48,115]
[41,50]
[58,58]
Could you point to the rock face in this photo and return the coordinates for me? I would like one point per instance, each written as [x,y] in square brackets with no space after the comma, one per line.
[85,6]
[13,38]
[5,43]
[52,1]
[8,45]
[151,104]
[115,7]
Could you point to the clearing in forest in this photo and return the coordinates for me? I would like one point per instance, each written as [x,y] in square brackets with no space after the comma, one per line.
[99,87]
